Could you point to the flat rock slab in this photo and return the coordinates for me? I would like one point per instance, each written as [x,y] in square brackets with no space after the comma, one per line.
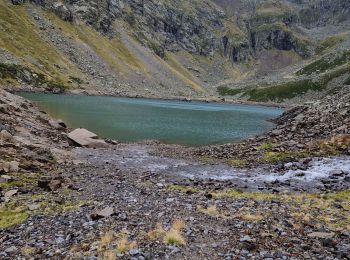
[9,166]
[321,235]
[103,213]
[9,194]
[83,137]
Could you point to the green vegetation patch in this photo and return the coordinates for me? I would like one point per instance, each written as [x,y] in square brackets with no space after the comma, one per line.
[327,209]
[20,180]
[21,37]
[271,27]
[282,91]
[238,194]
[113,51]
[273,157]
[325,63]
[238,163]
[14,72]
[184,189]
[287,90]
[330,42]
[225,91]
[266,146]
[10,217]
[18,72]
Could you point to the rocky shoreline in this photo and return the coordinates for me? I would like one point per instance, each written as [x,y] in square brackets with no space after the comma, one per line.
[63,202]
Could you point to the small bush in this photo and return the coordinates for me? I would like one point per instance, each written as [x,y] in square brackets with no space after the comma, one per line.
[266,146]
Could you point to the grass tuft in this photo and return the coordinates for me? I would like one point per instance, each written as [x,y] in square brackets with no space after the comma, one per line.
[238,163]
[183,189]
[171,237]
[11,217]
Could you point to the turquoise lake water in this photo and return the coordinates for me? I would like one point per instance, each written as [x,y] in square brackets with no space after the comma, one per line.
[177,122]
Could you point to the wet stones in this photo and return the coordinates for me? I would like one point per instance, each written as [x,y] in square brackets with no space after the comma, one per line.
[338,173]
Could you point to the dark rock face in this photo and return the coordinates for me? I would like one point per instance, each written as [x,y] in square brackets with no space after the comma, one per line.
[236,53]
[278,39]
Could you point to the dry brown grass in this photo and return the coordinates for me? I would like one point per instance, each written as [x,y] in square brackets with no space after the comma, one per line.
[211,211]
[171,237]
[124,245]
[111,243]
[106,240]
[251,217]
[335,144]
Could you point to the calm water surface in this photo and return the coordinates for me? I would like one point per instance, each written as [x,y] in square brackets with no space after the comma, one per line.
[176,122]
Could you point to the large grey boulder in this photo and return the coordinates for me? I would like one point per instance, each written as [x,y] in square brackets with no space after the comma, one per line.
[62,11]
[83,137]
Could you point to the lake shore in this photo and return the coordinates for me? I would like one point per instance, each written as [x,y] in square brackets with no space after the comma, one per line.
[63,201]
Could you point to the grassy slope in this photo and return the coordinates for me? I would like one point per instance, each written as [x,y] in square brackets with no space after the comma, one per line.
[181,72]
[112,51]
[21,37]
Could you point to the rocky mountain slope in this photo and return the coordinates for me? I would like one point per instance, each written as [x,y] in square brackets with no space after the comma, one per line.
[172,48]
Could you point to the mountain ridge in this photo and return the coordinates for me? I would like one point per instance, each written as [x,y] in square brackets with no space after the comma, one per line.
[173,49]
